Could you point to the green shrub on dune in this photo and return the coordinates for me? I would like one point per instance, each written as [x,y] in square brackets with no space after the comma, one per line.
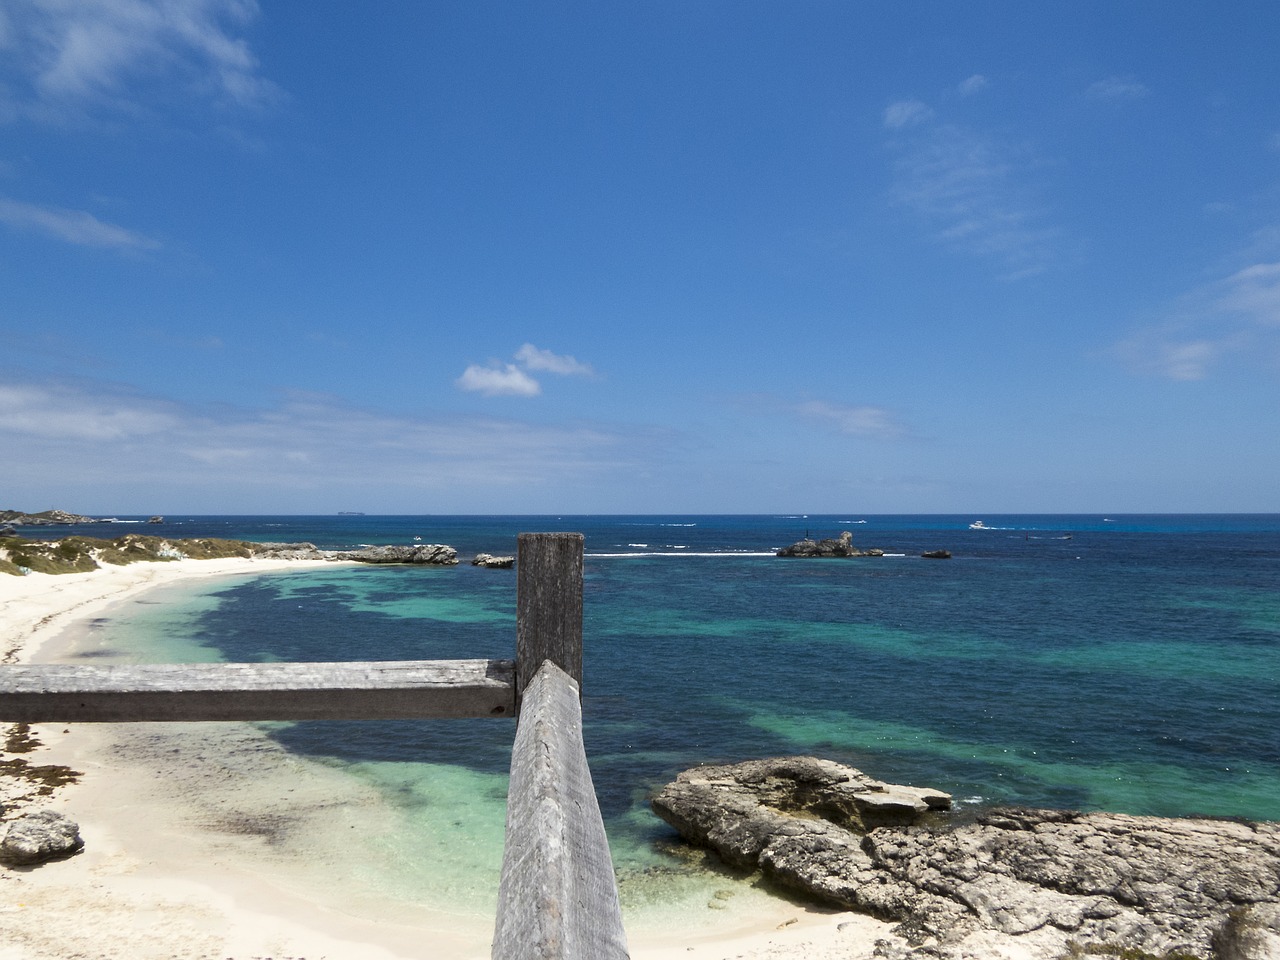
[82,554]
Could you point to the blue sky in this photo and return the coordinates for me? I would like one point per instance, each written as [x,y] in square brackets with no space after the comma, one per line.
[639,257]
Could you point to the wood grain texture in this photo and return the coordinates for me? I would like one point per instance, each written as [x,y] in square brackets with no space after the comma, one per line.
[558,896]
[257,691]
[548,605]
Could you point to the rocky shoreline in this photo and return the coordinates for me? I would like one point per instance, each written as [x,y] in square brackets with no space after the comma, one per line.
[1053,883]
[82,554]
[19,555]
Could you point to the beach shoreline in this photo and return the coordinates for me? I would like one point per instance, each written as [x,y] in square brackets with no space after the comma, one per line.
[175,868]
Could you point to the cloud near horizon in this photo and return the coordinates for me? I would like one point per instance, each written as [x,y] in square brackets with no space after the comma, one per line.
[111,437]
[501,379]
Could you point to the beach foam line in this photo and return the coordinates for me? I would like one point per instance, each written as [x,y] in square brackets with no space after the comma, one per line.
[681,555]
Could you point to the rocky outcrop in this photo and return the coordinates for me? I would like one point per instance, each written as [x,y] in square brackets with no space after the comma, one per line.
[39,836]
[843,547]
[81,554]
[490,562]
[432,553]
[429,553]
[46,518]
[290,551]
[937,554]
[1045,878]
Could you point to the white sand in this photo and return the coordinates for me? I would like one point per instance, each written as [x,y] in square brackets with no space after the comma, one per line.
[163,876]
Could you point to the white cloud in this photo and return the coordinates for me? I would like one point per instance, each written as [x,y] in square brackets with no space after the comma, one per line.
[507,380]
[71,55]
[906,113]
[855,421]
[66,414]
[972,85]
[531,358]
[1236,316]
[73,226]
[1117,89]
[512,379]
[972,191]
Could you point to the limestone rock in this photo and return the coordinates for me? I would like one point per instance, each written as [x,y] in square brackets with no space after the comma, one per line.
[491,562]
[39,836]
[1251,933]
[1048,878]
[842,547]
[800,818]
[430,553]
[290,551]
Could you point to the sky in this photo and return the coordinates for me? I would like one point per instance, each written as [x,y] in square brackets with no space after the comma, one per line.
[672,256]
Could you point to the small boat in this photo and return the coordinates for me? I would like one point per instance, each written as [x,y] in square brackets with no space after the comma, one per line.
[978,525]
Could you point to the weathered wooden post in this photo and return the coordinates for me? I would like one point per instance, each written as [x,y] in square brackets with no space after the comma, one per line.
[548,605]
[558,897]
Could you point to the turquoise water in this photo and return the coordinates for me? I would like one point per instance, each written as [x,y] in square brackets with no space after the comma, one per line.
[1122,663]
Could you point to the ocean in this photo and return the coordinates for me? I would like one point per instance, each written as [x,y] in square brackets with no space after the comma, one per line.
[1124,663]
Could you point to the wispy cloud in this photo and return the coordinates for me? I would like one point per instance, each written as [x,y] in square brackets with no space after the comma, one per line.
[906,113]
[1238,315]
[533,358]
[1254,294]
[499,379]
[60,413]
[90,431]
[1117,89]
[974,192]
[854,421]
[72,226]
[972,85]
[68,56]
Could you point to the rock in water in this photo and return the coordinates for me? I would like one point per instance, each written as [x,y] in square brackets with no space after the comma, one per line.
[1045,878]
[490,562]
[433,553]
[39,836]
[822,548]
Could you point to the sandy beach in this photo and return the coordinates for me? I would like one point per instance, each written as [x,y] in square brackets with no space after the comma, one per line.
[190,855]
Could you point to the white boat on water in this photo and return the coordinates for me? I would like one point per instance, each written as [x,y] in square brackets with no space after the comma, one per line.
[978,525]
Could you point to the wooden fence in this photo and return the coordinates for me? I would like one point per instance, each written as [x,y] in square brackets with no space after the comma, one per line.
[557,897]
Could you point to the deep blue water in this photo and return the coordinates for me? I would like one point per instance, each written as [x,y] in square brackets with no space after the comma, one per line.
[1129,663]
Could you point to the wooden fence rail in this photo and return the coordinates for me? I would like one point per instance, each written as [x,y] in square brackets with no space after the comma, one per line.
[381,690]
[557,896]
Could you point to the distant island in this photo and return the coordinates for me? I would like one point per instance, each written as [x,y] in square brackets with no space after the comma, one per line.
[351,513]
[46,518]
